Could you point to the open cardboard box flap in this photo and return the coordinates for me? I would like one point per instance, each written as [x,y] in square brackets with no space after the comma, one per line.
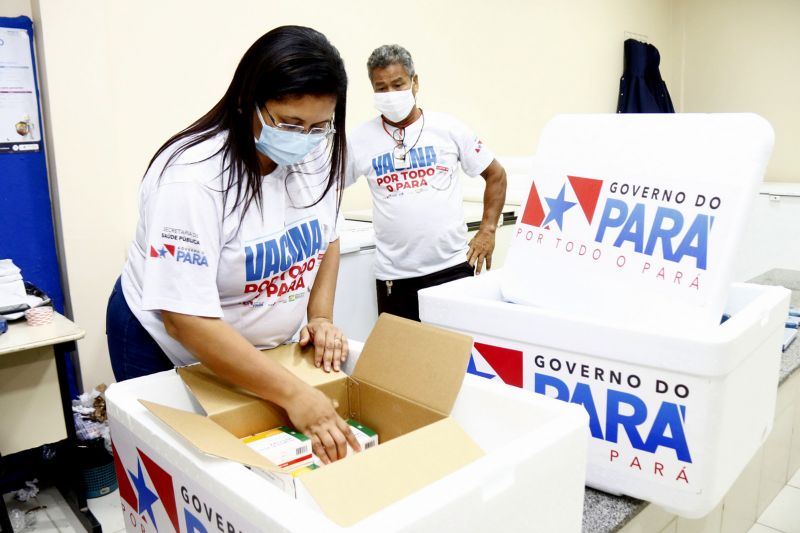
[416,361]
[208,436]
[349,491]
[419,363]
[240,411]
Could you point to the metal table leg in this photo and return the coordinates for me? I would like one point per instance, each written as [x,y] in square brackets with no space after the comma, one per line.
[5,521]
[71,488]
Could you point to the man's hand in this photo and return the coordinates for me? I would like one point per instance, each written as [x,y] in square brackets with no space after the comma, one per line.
[480,250]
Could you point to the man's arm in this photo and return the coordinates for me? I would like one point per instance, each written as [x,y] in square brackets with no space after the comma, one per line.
[481,247]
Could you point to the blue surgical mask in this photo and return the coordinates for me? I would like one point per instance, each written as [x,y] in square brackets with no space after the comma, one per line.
[285,147]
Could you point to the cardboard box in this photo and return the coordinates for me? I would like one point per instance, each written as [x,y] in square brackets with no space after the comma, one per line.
[675,416]
[408,408]
[531,475]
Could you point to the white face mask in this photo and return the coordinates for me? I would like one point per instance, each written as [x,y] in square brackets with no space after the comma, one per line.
[395,105]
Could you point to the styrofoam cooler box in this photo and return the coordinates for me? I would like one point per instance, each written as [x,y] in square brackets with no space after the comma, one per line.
[637,216]
[531,477]
[675,416]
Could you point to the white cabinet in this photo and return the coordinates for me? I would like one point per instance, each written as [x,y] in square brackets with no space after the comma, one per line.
[772,238]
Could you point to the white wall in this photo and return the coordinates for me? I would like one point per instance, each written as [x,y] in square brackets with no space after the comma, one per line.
[743,56]
[15,8]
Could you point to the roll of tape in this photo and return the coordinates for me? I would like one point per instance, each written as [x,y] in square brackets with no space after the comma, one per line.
[39,316]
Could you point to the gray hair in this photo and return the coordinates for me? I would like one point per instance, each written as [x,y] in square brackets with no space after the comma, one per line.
[390,54]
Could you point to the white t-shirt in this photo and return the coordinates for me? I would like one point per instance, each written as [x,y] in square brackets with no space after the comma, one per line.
[254,269]
[417,210]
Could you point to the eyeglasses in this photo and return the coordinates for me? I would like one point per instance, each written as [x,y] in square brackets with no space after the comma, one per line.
[296,128]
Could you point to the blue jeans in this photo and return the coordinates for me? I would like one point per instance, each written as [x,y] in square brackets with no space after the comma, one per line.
[133,351]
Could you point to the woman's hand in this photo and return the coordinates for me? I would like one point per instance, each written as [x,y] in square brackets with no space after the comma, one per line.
[313,414]
[234,359]
[330,345]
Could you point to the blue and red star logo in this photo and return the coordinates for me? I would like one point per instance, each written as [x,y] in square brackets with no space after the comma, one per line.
[163,251]
[137,493]
[146,496]
[506,363]
[587,192]
[558,206]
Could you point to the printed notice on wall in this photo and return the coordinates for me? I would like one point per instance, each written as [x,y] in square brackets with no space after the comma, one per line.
[19,117]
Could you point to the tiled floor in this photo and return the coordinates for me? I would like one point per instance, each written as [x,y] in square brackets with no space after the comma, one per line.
[108,512]
[54,515]
[782,515]
[48,511]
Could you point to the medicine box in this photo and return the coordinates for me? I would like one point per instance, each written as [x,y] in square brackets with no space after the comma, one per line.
[283,446]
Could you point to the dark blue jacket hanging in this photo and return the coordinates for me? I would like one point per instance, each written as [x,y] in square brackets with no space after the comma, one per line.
[641,89]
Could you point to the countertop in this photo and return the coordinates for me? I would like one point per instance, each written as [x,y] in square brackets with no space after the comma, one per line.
[20,336]
[780,188]
[604,513]
[790,361]
[473,212]
[355,236]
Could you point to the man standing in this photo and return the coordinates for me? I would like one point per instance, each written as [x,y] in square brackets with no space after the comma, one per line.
[409,158]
